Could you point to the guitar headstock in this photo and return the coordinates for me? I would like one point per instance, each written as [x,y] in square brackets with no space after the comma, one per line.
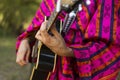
[70,3]
[67,5]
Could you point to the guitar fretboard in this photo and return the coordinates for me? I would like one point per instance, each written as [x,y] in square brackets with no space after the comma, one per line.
[52,19]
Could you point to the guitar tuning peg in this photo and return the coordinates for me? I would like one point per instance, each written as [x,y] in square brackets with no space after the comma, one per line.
[80,7]
[58,7]
[88,2]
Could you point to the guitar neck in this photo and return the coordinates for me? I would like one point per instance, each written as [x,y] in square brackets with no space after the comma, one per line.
[52,19]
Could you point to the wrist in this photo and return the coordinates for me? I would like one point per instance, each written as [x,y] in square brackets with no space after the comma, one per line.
[68,52]
[26,40]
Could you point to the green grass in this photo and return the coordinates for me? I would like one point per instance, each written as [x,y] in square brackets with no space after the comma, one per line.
[9,70]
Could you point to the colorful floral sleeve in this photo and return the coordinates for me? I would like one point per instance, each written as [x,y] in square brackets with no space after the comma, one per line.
[45,9]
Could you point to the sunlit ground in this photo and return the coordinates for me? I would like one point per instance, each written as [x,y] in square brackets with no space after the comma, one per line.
[9,70]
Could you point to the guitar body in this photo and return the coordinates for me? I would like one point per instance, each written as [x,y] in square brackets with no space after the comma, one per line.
[46,59]
[45,65]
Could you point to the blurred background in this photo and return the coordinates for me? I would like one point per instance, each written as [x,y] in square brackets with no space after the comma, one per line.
[15,16]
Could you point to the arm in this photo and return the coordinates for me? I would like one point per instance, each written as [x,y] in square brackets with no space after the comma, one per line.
[37,20]
[25,37]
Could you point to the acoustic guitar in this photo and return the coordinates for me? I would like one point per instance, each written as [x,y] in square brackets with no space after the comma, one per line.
[46,59]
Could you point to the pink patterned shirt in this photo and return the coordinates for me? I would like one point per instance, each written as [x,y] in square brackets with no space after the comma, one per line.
[94,37]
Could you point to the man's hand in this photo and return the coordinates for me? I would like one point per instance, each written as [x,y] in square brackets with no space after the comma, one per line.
[55,42]
[23,53]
